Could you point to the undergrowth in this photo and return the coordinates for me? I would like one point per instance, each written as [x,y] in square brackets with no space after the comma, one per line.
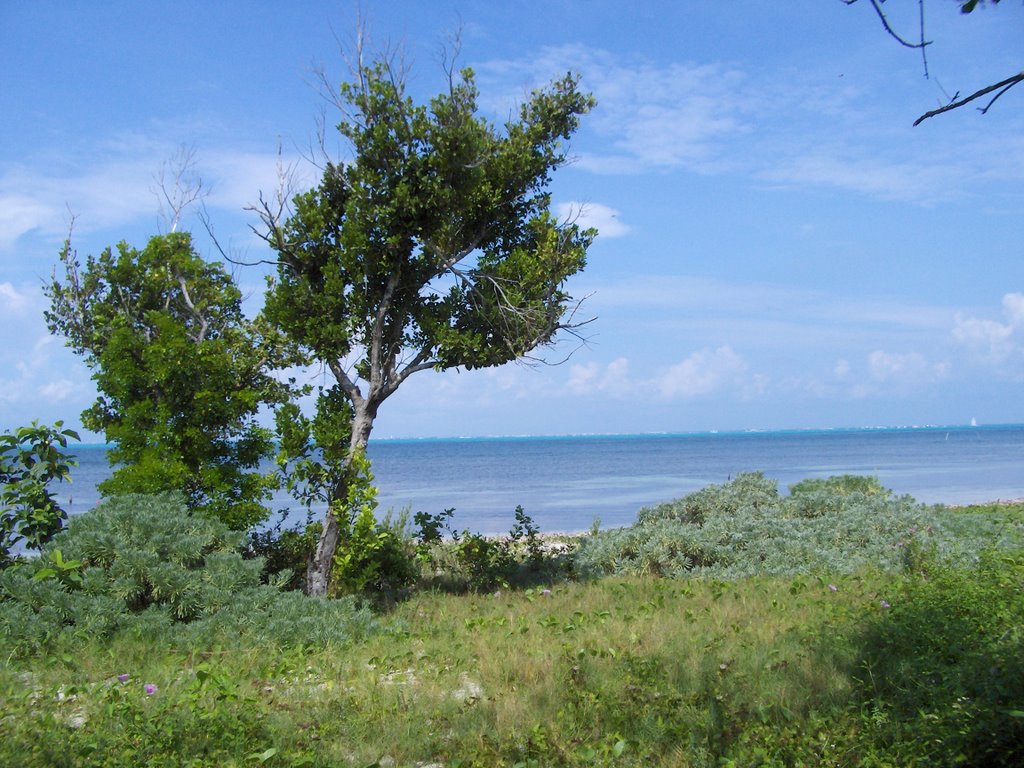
[906,654]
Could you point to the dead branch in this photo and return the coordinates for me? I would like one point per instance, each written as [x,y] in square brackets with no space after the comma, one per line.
[184,188]
[1002,87]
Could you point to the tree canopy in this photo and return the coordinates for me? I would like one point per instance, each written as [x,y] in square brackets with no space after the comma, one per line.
[181,373]
[434,247]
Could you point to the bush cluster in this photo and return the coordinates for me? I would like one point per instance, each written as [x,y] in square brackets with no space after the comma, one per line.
[467,561]
[146,566]
[746,527]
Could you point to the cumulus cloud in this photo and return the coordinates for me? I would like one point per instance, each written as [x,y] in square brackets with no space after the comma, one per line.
[989,340]
[903,367]
[701,373]
[602,218]
[612,379]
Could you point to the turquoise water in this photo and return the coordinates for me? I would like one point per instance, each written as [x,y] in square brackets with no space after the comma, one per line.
[563,483]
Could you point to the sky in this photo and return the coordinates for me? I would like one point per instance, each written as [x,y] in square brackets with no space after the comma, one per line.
[779,247]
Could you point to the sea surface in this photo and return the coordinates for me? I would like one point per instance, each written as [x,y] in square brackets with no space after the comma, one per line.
[565,483]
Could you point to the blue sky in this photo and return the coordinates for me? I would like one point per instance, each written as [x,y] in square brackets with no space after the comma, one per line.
[779,247]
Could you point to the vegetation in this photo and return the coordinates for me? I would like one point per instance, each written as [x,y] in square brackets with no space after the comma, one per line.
[433,248]
[143,567]
[30,459]
[140,637]
[180,371]
[746,528]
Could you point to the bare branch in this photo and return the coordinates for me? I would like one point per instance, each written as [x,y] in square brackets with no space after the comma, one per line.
[892,32]
[1002,87]
[183,189]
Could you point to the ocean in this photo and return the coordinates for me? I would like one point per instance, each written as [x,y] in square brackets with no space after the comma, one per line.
[565,483]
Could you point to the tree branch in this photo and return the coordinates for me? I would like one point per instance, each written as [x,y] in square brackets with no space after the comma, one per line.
[1002,87]
[892,32]
[203,323]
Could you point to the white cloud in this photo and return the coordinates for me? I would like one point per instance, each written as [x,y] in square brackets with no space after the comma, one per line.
[679,115]
[871,175]
[989,340]
[904,367]
[715,117]
[612,379]
[115,184]
[701,373]
[602,218]
[12,301]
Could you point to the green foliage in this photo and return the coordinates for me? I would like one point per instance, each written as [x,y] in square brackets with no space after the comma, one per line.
[474,562]
[622,671]
[374,557]
[946,659]
[744,527]
[371,556]
[180,371]
[285,552]
[30,459]
[143,565]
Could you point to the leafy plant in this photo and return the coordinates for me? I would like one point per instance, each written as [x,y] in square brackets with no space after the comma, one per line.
[142,565]
[30,459]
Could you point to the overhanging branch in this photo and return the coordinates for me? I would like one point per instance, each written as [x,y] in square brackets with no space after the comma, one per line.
[1001,87]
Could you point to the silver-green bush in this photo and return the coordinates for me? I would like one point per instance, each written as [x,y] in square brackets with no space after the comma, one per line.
[745,527]
[145,566]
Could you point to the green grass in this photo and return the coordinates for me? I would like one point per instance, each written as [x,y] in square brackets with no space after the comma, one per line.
[621,671]
[915,660]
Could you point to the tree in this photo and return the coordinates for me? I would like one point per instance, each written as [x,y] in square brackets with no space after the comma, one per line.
[995,90]
[433,248]
[30,458]
[181,373]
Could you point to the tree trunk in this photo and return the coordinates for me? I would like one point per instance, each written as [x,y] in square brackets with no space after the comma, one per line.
[318,570]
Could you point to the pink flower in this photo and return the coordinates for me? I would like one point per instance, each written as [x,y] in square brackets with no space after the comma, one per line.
[833,588]
[124,678]
[149,688]
[884,604]
[545,592]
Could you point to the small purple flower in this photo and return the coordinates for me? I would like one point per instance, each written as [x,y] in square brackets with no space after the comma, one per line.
[833,588]
[149,688]
[124,678]
[884,604]
[545,592]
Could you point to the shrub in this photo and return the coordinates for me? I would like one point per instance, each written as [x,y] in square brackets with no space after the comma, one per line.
[745,527]
[285,552]
[30,458]
[374,558]
[144,565]
[477,563]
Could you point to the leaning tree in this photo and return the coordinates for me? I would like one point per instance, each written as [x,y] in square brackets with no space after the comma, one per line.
[432,247]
